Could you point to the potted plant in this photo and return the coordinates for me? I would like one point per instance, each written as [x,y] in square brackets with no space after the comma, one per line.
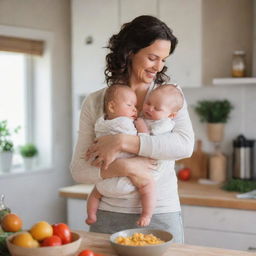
[216,114]
[28,152]
[6,146]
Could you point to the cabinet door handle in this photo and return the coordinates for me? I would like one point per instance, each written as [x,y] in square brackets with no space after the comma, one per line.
[250,248]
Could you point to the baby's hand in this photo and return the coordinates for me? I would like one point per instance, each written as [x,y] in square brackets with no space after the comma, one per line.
[141,125]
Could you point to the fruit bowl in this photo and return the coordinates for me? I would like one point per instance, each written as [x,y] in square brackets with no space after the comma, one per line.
[62,250]
[148,250]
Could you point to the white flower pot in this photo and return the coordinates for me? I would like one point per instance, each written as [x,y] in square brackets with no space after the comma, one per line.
[29,163]
[5,161]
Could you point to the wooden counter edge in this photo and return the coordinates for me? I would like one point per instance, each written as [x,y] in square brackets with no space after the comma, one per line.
[223,200]
[75,195]
[215,202]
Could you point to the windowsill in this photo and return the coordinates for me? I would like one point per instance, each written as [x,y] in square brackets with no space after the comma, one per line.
[21,171]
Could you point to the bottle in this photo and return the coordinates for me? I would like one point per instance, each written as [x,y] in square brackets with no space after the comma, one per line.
[238,64]
[243,158]
[3,208]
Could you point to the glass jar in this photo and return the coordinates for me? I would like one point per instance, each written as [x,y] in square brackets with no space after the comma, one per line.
[3,208]
[238,64]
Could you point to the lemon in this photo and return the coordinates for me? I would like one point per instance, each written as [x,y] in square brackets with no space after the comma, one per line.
[25,240]
[41,230]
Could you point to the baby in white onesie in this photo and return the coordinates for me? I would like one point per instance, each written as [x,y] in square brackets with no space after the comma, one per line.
[120,111]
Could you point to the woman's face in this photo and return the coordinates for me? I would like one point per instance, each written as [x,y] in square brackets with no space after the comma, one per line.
[148,61]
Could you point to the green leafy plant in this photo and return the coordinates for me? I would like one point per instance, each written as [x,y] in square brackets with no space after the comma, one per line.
[213,111]
[28,150]
[6,144]
[239,185]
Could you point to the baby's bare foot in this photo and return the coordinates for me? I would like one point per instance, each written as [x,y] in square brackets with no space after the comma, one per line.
[143,221]
[91,219]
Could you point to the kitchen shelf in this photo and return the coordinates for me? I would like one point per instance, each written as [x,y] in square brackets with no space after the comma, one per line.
[233,81]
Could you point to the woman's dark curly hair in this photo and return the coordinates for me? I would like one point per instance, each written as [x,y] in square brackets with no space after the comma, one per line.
[133,36]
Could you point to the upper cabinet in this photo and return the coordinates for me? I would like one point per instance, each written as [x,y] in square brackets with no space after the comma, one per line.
[129,9]
[185,19]
[208,33]
[93,21]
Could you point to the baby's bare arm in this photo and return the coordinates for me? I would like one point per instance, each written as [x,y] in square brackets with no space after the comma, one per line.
[141,126]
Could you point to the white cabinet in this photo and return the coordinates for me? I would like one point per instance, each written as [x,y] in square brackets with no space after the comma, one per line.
[92,22]
[185,19]
[129,9]
[220,227]
[76,214]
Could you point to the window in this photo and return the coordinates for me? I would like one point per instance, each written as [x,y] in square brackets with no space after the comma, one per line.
[25,91]
[13,87]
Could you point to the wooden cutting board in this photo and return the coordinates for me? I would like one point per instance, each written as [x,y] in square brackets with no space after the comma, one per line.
[198,162]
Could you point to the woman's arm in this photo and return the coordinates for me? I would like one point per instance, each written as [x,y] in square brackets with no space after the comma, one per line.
[129,167]
[81,170]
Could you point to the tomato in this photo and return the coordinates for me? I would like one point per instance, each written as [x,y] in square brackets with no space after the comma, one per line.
[86,253]
[51,241]
[184,174]
[62,230]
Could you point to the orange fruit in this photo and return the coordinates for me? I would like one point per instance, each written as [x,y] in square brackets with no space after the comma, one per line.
[11,223]
[25,240]
[41,230]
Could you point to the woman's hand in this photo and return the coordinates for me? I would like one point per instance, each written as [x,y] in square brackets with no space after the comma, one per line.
[138,169]
[104,151]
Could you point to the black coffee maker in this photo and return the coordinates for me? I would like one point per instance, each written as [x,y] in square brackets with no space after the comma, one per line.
[244,158]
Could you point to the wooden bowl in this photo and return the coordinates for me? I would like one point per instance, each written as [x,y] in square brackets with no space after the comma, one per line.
[62,250]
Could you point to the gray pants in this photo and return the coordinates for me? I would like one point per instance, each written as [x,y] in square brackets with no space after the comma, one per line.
[111,222]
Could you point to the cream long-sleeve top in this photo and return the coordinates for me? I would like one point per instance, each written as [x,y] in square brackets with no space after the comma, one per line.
[174,145]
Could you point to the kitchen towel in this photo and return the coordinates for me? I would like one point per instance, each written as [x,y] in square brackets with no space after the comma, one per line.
[248,195]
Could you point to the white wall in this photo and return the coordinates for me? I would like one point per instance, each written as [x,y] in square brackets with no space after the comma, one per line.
[34,196]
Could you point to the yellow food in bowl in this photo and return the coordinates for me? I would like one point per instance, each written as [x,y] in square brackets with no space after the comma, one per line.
[139,239]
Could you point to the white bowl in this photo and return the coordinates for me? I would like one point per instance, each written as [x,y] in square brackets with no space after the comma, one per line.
[148,250]
[62,250]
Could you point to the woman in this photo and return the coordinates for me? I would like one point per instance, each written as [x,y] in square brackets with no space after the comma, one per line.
[137,59]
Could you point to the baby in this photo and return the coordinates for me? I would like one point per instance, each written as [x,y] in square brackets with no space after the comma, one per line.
[120,111]
[160,107]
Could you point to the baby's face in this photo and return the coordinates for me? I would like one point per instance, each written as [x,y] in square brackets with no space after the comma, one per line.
[157,106]
[124,104]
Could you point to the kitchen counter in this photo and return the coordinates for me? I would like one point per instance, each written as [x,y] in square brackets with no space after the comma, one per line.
[191,193]
[99,243]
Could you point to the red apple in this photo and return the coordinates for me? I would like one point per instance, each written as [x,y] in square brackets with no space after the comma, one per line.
[184,174]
